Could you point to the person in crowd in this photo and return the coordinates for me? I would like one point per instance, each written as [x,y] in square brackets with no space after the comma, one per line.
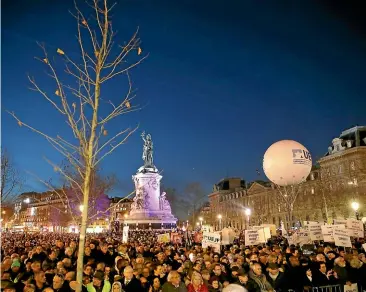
[174,283]
[197,284]
[39,261]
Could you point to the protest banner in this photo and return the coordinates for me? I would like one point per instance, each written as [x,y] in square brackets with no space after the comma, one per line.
[307,223]
[227,236]
[175,237]
[207,228]
[272,228]
[266,233]
[341,237]
[254,237]
[293,239]
[327,231]
[354,228]
[340,222]
[212,239]
[125,234]
[303,237]
[197,237]
[315,231]
[164,238]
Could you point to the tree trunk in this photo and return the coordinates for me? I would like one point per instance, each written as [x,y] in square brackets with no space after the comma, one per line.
[88,154]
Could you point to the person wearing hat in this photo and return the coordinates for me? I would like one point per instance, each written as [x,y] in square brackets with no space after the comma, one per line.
[274,276]
[15,270]
[100,283]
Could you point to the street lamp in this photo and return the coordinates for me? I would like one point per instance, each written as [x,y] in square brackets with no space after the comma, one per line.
[81,208]
[355,206]
[248,212]
[201,219]
[27,201]
[219,217]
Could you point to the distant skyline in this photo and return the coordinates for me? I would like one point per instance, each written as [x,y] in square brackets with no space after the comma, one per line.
[222,83]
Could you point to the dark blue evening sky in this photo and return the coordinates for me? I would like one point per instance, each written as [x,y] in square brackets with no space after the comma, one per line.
[224,80]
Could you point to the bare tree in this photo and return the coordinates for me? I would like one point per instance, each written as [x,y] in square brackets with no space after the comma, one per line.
[83,105]
[11,181]
[287,196]
[194,194]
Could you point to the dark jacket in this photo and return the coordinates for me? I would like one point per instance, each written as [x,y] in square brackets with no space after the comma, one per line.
[278,283]
[132,286]
[168,287]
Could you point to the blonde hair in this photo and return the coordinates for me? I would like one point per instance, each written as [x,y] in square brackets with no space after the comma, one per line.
[196,275]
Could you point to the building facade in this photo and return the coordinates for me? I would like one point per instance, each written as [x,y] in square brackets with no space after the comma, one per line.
[334,183]
[120,208]
[53,211]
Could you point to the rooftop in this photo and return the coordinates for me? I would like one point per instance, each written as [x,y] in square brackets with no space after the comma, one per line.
[349,138]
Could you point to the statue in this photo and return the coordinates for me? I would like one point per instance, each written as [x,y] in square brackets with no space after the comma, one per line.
[138,200]
[163,202]
[147,154]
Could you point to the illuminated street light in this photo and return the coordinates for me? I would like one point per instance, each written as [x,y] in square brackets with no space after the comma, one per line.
[248,212]
[81,208]
[355,206]
[198,224]
[27,201]
[219,217]
[126,216]
[201,219]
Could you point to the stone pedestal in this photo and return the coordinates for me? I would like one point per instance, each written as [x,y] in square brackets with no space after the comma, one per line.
[150,209]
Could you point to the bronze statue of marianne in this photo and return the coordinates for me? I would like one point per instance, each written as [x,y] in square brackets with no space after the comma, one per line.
[147,154]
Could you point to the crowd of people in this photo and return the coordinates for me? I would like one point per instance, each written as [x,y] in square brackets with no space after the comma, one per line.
[48,261]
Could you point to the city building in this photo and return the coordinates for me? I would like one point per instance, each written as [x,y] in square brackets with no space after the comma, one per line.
[41,211]
[120,208]
[52,211]
[335,188]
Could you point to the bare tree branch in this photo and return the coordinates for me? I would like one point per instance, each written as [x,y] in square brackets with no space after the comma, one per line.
[11,181]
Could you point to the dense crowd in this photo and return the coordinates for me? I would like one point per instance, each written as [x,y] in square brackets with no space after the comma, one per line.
[47,262]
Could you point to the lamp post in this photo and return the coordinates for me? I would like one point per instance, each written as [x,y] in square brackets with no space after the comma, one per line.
[248,212]
[220,218]
[201,219]
[355,206]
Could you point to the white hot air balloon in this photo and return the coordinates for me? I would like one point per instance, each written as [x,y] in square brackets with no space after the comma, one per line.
[287,162]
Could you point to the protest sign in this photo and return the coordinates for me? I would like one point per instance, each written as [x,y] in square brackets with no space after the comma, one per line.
[315,232]
[212,239]
[125,234]
[197,237]
[272,228]
[327,231]
[355,228]
[227,236]
[293,239]
[254,237]
[303,237]
[207,228]
[164,238]
[340,222]
[175,237]
[341,237]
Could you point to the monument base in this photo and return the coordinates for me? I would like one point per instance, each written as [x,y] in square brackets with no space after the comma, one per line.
[151,224]
[150,209]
